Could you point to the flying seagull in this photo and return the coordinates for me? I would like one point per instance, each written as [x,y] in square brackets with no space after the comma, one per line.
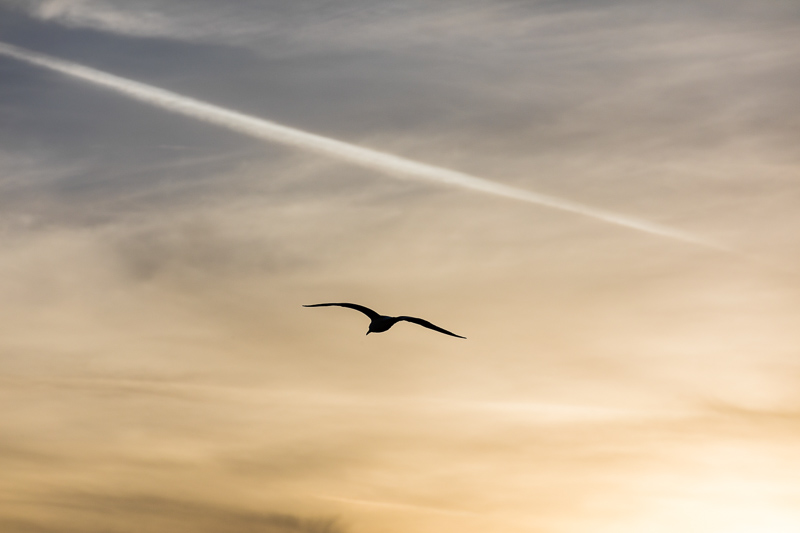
[379,323]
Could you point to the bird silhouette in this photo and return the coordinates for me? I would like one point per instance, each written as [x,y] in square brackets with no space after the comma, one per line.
[379,323]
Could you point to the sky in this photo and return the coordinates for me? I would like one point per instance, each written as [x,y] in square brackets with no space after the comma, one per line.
[602,196]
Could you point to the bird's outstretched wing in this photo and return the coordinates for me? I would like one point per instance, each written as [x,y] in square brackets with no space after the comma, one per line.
[366,310]
[426,324]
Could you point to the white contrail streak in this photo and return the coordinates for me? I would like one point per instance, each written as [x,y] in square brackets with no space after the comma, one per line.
[365,157]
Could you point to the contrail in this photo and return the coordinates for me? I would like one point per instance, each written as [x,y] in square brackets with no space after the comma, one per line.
[373,159]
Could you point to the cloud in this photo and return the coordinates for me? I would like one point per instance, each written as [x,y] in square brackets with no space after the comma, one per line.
[102,15]
[159,372]
[457,29]
[369,158]
[89,513]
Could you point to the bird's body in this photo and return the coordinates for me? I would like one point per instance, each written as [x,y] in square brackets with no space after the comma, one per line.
[380,323]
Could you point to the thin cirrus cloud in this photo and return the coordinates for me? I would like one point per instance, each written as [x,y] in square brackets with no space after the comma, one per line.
[390,164]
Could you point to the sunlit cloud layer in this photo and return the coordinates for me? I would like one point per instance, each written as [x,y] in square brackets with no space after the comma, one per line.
[157,370]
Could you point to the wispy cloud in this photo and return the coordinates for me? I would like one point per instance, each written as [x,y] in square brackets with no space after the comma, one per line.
[400,506]
[102,15]
[159,373]
[128,512]
[369,158]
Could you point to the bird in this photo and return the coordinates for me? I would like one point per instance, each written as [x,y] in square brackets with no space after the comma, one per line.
[379,323]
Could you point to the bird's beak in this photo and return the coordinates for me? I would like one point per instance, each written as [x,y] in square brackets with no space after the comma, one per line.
[368,333]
